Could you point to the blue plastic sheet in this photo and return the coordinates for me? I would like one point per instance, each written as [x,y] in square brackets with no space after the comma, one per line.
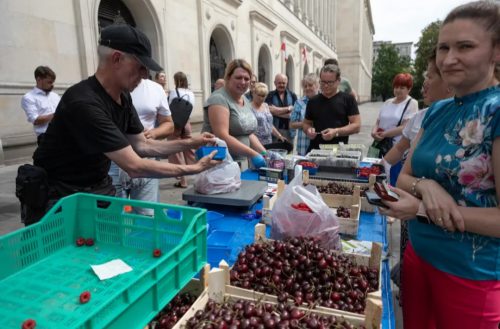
[372,227]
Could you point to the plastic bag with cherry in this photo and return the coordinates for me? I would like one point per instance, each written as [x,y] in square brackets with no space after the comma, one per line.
[300,211]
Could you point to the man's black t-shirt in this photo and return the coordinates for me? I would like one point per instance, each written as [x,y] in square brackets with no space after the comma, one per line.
[87,123]
[330,112]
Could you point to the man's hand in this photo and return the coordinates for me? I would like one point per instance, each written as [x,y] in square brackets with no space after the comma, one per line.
[149,134]
[328,134]
[206,162]
[202,140]
[311,133]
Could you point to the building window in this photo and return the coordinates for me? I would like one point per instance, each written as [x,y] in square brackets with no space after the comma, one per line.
[114,12]
[217,63]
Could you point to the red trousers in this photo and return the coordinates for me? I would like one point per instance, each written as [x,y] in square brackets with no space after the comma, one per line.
[433,299]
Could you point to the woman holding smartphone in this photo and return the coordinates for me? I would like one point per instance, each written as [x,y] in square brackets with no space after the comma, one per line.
[452,177]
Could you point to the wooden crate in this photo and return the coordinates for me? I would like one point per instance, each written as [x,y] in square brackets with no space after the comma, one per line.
[347,225]
[373,261]
[268,203]
[220,290]
[334,200]
[350,225]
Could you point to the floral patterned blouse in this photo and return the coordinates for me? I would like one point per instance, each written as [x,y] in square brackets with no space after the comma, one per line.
[264,124]
[456,151]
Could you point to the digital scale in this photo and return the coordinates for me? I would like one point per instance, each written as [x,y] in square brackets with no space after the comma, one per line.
[271,175]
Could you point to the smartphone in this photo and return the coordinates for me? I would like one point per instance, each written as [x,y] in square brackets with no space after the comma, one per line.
[374,199]
[384,192]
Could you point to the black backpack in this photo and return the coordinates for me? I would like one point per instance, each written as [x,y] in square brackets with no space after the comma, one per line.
[181,109]
[32,186]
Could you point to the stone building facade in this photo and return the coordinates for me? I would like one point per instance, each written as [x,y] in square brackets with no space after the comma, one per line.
[197,37]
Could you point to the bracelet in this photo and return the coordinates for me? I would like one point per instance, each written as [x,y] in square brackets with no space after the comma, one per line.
[414,186]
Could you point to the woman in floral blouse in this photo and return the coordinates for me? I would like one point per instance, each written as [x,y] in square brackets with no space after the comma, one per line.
[451,183]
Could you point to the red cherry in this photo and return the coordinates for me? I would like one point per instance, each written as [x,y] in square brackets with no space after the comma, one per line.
[80,242]
[89,242]
[29,324]
[84,297]
[156,253]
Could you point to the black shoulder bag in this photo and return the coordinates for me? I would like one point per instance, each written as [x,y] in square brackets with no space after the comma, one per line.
[386,144]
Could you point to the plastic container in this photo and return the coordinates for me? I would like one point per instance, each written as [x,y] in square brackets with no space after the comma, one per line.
[219,238]
[43,272]
[206,150]
[309,166]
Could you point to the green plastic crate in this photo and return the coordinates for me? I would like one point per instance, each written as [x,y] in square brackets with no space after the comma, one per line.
[43,272]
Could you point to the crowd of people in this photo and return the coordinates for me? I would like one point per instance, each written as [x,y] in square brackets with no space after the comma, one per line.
[110,130]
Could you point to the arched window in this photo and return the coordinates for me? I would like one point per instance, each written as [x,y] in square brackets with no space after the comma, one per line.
[114,12]
[217,63]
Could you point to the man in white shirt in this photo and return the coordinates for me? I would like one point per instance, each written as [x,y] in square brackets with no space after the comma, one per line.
[151,104]
[40,103]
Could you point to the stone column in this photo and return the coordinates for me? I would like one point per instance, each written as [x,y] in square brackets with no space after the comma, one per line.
[297,8]
[305,11]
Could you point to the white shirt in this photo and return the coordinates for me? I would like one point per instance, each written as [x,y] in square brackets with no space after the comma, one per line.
[390,114]
[182,92]
[36,103]
[149,100]
[413,125]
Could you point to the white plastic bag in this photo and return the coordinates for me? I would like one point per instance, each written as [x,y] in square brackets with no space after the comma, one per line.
[223,178]
[290,222]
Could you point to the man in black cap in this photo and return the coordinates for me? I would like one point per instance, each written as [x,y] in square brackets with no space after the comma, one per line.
[96,122]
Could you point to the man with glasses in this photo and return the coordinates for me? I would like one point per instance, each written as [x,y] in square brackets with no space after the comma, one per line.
[332,115]
[96,123]
[253,81]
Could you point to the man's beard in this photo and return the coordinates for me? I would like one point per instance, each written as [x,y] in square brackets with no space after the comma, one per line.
[48,90]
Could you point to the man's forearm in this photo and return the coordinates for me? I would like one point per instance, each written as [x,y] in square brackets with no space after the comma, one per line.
[43,119]
[282,112]
[161,148]
[350,129]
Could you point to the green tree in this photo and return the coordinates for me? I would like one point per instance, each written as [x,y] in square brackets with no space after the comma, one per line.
[425,45]
[386,66]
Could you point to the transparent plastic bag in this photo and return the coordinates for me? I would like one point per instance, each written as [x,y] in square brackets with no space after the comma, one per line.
[223,178]
[288,221]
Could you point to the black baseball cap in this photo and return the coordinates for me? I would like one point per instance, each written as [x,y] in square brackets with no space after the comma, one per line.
[130,40]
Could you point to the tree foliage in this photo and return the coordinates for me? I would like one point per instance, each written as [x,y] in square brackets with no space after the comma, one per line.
[425,45]
[386,66]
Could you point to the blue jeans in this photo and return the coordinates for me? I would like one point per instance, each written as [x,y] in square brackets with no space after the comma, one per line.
[144,189]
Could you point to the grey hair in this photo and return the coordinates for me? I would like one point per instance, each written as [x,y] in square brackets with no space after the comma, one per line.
[102,53]
[330,68]
[310,78]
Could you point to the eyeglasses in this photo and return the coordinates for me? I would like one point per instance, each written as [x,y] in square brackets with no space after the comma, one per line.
[262,95]
[328,83]
[253,82]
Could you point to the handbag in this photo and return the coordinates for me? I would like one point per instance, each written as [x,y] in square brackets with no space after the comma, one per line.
[383,146]
[181,109]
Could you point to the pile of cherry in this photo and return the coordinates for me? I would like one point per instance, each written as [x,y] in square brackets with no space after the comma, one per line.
[339,188]
[173,312]
[249,314]
[343,212]
[299,269]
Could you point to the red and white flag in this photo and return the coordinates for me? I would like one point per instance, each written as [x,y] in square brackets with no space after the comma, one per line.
[283,51]
[304,54]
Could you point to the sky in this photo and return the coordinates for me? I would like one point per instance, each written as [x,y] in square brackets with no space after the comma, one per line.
[404,20]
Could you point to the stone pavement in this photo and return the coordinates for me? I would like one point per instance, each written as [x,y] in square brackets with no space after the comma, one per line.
[9,205]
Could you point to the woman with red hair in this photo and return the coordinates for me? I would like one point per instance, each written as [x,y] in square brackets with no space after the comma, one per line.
[394,114]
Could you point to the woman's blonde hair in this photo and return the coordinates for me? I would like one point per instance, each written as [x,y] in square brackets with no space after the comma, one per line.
[261,87]
[237,63]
